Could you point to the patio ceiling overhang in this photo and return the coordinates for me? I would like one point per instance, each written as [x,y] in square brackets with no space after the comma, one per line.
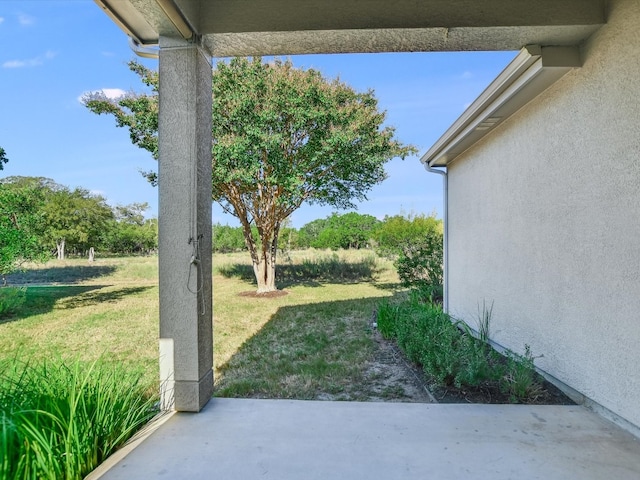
[281,27]
[530,73]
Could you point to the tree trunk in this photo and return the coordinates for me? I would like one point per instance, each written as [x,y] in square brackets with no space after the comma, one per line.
[264,261]
[60,249]
[92,254]
[265,270]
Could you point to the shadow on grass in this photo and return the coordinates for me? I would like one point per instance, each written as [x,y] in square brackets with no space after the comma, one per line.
[63,274]
[311,351]
[43,299]
[88,298]
[389,286]
[310,273]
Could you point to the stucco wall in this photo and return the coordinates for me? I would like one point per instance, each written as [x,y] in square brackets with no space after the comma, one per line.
[544,221]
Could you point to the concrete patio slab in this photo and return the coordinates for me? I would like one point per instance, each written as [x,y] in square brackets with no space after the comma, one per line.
[283,439]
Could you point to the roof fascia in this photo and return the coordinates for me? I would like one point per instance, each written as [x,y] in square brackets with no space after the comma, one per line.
[530,73]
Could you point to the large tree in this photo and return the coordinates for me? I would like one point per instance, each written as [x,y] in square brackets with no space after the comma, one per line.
[282,136]
[76,219]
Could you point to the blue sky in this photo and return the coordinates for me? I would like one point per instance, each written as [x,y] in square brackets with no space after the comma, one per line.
[51,52]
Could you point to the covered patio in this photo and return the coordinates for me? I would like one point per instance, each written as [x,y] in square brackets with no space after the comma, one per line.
[234,438]
[289,440]
[185,34]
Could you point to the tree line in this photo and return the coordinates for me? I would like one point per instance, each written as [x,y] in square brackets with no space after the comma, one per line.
[40,218]
[413,242]
[339,231]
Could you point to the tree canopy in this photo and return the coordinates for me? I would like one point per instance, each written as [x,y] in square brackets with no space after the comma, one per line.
[75,217]
[282,136]
[396,233]
[21,226]
[3,158]
[350,230]
[71,217]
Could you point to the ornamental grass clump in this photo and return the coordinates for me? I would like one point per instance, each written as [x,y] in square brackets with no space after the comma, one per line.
[60,421]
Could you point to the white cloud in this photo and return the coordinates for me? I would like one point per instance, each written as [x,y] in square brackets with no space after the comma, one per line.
[1,19]
[113,93]
[110,93]
[30,62]
[466,75]
[25,20]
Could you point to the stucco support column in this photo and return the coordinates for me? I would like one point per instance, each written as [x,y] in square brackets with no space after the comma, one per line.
[184,223]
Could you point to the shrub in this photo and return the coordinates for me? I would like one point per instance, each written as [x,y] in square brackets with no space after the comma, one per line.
[427,336]
[420,265]
[396,231]
[227,239]
[11,299]
[309,233]
[21,226]
[350,230]
[482,363]
[450,354]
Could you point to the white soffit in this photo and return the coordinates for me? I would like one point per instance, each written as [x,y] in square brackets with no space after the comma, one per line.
[143,20]
[287,27]
[532,71]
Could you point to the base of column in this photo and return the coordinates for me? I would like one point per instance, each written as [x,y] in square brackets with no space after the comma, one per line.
[190,396]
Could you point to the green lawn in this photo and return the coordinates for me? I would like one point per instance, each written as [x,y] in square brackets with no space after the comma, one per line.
[312,341]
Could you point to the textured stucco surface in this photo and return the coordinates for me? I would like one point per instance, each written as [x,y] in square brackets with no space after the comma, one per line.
[278,27]
[185,217]
[436,39]
[544,221]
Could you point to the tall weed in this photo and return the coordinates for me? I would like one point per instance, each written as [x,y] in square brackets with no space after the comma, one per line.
[386,319]
[520,379]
